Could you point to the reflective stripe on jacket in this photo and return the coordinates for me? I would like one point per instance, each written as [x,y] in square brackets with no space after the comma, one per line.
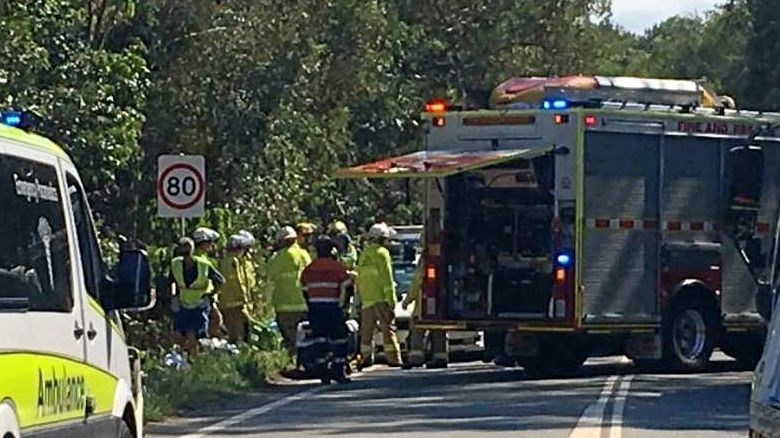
[191,295]
[326,281]
[375,276]
[284,276]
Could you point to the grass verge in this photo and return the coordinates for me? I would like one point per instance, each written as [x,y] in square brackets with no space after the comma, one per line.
[214,375]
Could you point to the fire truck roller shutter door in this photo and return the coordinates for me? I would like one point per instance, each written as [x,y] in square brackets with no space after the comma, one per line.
[620,266]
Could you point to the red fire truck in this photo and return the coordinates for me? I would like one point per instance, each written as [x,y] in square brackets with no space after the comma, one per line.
[586,215]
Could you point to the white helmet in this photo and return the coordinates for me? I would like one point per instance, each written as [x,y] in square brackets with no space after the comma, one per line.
[381,230]
[204,234]
[286,233]
[248,237]
[237,241]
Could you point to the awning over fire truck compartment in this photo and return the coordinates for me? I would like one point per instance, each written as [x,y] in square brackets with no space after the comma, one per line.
[434,164]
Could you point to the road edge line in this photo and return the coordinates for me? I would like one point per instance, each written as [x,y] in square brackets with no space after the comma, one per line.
[252,413]
[591,422]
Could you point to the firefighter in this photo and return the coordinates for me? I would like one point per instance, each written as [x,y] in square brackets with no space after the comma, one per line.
[234,300]
[206,247]
[195,279]
[376,287]
[305,232]
[439,345]
[347,253]
[284,276]
[247,259]
[327,287]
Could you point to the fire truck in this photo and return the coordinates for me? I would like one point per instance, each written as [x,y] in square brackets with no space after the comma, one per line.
[580,216]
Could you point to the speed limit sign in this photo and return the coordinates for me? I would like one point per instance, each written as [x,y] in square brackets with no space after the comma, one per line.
[181,185]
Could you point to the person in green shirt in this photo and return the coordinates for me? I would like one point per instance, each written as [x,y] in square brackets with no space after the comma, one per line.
[284,277]
[195,280]
[376,287]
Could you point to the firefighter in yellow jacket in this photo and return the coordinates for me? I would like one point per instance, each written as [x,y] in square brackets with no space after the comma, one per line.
[284,276]
[234,299]
[376,287]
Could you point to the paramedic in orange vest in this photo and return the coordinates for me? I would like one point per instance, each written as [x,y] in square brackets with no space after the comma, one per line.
[327,287]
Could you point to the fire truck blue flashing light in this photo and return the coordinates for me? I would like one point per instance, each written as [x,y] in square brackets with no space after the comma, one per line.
[563,259]
[556,104]
[11,118]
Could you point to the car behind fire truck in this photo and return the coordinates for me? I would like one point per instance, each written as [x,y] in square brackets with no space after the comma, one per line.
[586,215]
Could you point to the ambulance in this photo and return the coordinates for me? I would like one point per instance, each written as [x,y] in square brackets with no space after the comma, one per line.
[591,215]
[65,368]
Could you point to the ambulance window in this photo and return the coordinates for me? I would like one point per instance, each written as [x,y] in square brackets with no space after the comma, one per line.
[88,247]
[34,255]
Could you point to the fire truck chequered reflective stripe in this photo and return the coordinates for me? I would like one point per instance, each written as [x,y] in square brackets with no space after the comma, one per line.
[665,225]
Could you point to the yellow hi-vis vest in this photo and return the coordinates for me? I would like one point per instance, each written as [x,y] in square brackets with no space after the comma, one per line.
[375,276]
[192,296]
[284,276]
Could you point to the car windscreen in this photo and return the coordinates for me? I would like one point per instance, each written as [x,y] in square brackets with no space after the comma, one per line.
[34,257]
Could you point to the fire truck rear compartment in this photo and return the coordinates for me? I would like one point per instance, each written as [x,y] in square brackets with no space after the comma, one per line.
[499,241]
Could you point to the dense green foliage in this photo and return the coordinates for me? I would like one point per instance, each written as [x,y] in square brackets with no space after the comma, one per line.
[279,93]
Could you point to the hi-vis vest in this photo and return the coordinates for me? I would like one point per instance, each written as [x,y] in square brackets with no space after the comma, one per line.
[191,295]
[326,281]
[375,276]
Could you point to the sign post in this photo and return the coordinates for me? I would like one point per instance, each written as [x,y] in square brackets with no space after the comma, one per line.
[181,187]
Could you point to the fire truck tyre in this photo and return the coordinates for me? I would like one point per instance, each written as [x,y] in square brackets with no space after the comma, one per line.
[124,431]
[746,348]
[689,336]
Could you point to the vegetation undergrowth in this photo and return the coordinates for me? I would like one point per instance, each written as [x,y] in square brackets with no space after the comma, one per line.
[213,375]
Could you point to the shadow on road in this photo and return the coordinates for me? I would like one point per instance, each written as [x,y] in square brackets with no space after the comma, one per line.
[484,398]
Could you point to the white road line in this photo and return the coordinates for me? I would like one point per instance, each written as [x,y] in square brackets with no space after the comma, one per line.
[590,422]
[616,424]
[252,413]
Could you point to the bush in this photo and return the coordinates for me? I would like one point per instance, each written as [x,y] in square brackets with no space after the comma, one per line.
[215,374]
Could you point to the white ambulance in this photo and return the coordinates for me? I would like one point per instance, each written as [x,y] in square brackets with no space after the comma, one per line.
[65,369]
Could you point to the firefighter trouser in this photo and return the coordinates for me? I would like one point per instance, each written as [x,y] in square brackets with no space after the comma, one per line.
[439,347]
[416,345]
[237,323]
[384,315]
[288,325]
[329,329]
[216,320]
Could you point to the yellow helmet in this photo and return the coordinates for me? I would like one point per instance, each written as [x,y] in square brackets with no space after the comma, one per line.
[337,227]
[306,228]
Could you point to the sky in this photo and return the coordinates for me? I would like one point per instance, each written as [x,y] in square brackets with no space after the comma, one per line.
[639,15]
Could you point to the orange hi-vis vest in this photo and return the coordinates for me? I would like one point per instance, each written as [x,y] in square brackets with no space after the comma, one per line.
[326,281]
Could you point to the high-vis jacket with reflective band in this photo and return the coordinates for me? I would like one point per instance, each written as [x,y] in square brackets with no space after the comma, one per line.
[284,275]
[375,276]
[191,295]
[326,281]
[235,291]
[250,271]
[349,257]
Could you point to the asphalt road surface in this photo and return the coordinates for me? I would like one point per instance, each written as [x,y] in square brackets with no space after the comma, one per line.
[606,399]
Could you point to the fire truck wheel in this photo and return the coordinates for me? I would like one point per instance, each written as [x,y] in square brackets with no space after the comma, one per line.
[689,335]
[746,348]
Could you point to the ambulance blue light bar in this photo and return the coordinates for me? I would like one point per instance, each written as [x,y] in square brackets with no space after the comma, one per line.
[11,118]
[555,104]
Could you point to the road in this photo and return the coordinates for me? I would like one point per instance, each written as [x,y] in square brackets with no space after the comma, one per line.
[606,399]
